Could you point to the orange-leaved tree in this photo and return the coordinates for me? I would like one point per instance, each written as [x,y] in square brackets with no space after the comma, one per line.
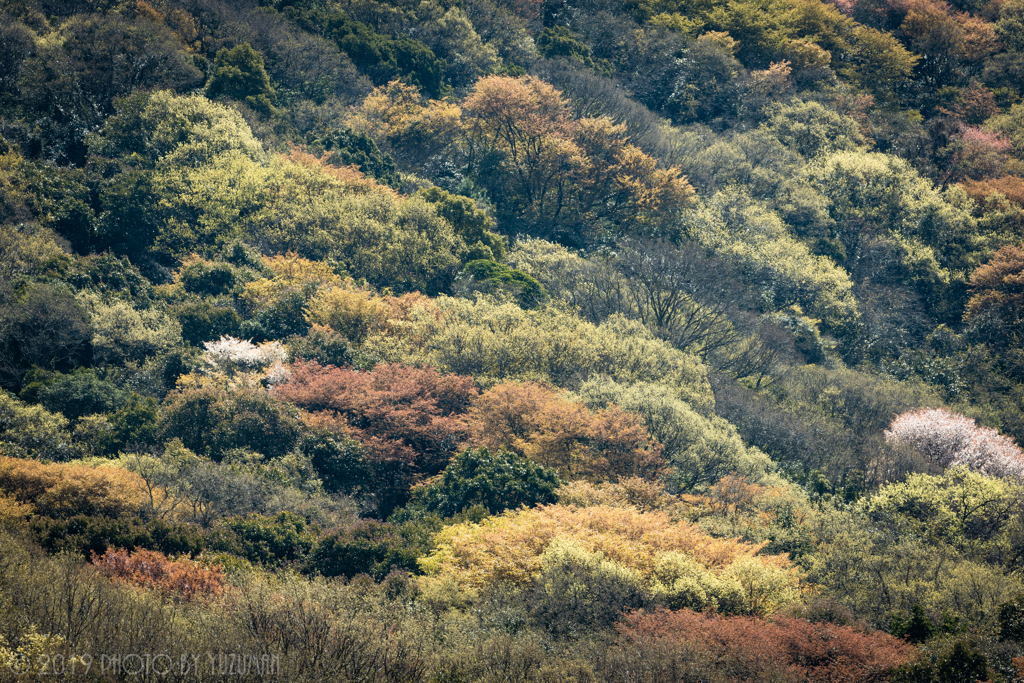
[997,288]
[565,177]
[534,421]
[66,490]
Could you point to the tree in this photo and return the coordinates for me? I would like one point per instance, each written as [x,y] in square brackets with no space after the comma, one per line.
[947,438]
[46,327]
[239,73]
[667,561]
[678,294]
[74,80]
[997,294]
[533,421]
[371,547]
[701,449]
[489,276]
[78,394]
[496,480]
[410,421]
[565,177]
[810,128]
[470,223]
[212,420]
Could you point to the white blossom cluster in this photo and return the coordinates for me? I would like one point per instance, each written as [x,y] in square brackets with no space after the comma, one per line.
[947,438]
[229,353]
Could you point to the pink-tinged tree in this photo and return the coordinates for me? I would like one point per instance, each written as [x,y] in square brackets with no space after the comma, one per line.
[974,154]
[947,438]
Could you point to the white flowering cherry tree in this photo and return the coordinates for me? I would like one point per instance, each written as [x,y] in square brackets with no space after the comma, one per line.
[947,438]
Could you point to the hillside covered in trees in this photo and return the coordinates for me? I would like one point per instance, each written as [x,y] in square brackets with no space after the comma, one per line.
[506,340]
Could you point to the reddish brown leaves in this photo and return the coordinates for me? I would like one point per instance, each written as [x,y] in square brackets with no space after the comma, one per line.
[536,422]
[183,578]
[400,413]
[784,648]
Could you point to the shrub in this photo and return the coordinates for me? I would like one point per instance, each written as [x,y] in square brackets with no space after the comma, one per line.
[181,578]
[65,490]
[747,648]
[202,321]
[497,480]
[373,548]
[489,276]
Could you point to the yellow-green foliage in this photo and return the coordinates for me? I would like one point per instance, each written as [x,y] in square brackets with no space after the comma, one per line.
[494,342]
[289,274]
[757,240]
[883,194]
[880,573]
[122,332]
[30,252]
[350,310]
[291,206]
[702,448]
[32,431]
[667,557]
[190,130]
[32,650]
[633,492]
[978,515]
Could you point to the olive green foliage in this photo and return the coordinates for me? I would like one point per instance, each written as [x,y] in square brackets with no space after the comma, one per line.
[497,481]
[579,591]
[75,395]
[882,573]
[288,206]
[701,449]
[493,342]
[558,41]
[212,421]
[282,539]
[43,325]
[352,148]
[383,56]
[493,277]
[474,226]
[28,431]
[174,130]
[374,548]
[785,210]
[239,73]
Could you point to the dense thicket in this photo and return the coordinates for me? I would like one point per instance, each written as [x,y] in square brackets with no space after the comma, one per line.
[514,340]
